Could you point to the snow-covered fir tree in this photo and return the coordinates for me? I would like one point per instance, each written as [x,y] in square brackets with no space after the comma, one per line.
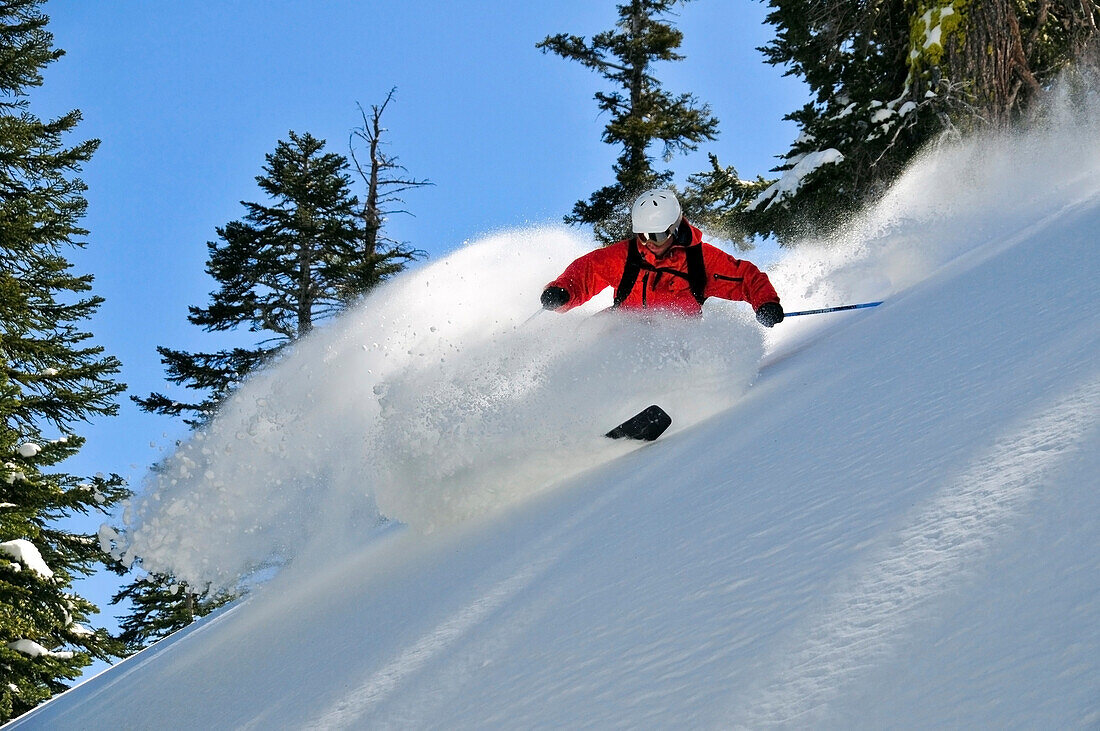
[716,199]
[888,77]
[52,378]
[160,605]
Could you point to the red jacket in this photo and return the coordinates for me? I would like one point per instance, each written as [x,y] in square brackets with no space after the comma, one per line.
[662,283]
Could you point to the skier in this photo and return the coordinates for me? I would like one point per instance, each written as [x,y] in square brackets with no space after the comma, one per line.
[667,267]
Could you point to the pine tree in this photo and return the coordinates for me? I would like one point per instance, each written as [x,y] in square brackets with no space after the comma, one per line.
[286,266]
[160,606]
[890,76]
[300,259]
[641,112]
[51,378]
[717,198]
[852,56]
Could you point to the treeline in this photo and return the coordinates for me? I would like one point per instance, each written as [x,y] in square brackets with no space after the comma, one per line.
[885,79]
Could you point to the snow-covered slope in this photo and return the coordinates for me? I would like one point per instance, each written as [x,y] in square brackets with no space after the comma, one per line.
[883,518]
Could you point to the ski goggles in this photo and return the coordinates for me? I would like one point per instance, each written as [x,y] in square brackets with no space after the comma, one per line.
[657,238]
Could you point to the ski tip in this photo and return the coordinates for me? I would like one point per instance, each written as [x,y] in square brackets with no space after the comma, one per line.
[646,425]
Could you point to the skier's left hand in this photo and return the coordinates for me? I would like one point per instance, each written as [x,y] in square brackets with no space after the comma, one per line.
[770,314]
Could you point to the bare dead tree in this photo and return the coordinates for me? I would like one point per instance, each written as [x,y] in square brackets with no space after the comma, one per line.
[385,182]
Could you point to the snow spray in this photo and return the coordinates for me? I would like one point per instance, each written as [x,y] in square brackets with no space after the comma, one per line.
[432,402]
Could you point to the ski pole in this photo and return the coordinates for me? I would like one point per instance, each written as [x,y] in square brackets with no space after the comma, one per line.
[532,317]
[833,309]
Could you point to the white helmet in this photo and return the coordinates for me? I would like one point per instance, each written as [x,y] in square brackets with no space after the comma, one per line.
[655,211]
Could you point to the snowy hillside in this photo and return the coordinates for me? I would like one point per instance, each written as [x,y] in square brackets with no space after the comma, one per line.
[881,518]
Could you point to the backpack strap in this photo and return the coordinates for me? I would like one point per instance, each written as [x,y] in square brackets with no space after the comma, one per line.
[696,269]
[697,273]
[633,266]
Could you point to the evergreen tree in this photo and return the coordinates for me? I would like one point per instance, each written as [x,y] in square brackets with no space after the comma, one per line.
[300,259]
[641,111]
[161,606]
[286,266]
[889,76]
[51,378]
[717,198]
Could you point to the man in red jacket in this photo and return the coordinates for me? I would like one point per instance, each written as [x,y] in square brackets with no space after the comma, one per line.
[667,266]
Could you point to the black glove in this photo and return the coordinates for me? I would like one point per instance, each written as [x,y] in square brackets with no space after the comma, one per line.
[554,297]
[770,314]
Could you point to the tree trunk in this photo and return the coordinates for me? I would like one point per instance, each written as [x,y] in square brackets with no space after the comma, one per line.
[637,164]
[992,60]
[372,212]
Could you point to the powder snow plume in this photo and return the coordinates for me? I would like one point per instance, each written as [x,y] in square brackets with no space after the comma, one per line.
[435,400]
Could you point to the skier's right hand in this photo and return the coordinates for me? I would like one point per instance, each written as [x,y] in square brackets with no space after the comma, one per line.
[770,314]
[554,297]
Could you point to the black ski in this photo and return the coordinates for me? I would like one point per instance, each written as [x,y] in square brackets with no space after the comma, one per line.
[646,425]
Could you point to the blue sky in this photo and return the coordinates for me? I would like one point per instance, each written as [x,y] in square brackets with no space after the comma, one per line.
[187,97]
